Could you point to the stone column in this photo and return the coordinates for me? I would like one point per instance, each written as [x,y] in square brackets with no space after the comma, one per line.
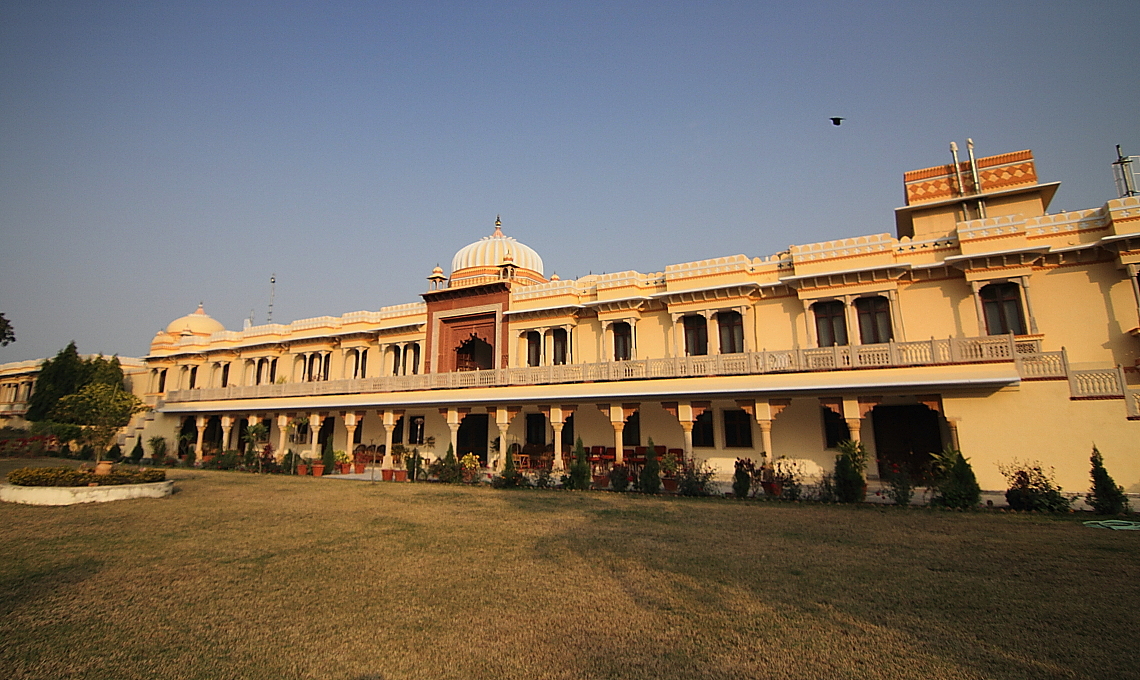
[282,432]
[200,423]
[1028,304]
[388,419]
[712,329]
[227,425]
[977,288]
[851,317]
[350,426]
[503,417]
[314,432]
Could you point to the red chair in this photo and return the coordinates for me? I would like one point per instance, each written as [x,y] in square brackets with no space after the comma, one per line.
[659,451]
[610,453]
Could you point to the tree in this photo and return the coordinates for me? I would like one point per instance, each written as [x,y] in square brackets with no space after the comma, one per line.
[101,410]
[580,468]
[7,337]
[850,485]
[1105,497]
[58,377]
[649,480]
[67,374]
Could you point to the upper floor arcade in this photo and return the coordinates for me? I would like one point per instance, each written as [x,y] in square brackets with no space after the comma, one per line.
[972,259]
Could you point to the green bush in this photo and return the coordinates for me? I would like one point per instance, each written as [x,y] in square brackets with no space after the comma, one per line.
[742,477]
[956,486]
[619,478]
[137,452]
[580,468]
[850,485]
[448,470]
[695,481]
[328,457]
[1032,488]
[65,476]
[1105,497]
[87,452]
[511,477]
[649,480]
[114,453]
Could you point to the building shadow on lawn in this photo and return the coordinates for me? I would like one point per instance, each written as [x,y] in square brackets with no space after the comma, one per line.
[20,587]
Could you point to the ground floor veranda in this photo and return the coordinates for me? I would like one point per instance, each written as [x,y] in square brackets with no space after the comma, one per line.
[901,415]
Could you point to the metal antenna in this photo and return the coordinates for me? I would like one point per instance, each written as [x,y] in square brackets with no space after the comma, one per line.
[272,295]
[1125,179]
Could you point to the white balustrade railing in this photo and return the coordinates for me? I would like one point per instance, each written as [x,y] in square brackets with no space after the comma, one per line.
[886,355]
[1098,382]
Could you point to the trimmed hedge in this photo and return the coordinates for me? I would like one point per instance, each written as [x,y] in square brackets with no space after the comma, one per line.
[64,476]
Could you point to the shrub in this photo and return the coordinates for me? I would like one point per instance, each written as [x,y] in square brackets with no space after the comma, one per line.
[788,474]
[850,485]
[87,452]
[900,486]
[137,452]
[115,453]
[414,464]
[447,469]
[695,481]
[742,477]
[188,460]
[328,456]
[955,483]
[1032,488]
[1105,497]
[824,490]
[157,448]
[619,478]
[64,476]
[511,477]
[544,480]
[580,468]
[289,462]
[649,480]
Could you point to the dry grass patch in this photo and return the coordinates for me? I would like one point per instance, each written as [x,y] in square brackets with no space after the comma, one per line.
[276,577]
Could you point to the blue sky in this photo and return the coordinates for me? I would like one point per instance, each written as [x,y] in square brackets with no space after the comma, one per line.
[156,154]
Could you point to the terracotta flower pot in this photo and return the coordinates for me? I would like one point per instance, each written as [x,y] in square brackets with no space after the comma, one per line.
[670,483]
[386,475]
[601,481]
[345,468]
[318,469]
[401,475]
[358,468]
[302,469]
[103,467]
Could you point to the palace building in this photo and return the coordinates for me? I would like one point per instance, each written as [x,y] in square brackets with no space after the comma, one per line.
[983,322]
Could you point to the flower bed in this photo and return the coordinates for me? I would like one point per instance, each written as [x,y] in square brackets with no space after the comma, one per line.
[64,476]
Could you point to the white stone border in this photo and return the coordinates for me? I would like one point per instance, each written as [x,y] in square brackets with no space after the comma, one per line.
[72,495]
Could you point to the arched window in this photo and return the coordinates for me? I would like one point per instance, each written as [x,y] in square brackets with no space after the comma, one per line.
[696,336]
[830,323]
[558,336]
[1001,303]
[731,326]
[225,375]
[533,348]
[395,360]
[874,319]
[623,341]
[162,380]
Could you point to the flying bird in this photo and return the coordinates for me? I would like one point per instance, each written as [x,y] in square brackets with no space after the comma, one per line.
[837,120]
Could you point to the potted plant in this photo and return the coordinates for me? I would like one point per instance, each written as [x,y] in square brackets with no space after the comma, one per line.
[398,451]
[469,465]
[318,466]
[359,459]
[400,474]
[669,467]
[303,466]
[343,462]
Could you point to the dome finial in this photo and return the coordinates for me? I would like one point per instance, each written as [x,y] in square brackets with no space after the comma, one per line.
[498,228]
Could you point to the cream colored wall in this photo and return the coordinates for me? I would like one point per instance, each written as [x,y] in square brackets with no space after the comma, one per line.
[1027,206]
[1084,309]
[588,341]
[779,323]
[653,335]
[1038,421]
[950,300]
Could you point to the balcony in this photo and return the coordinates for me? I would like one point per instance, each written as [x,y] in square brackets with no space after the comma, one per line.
[1031,362]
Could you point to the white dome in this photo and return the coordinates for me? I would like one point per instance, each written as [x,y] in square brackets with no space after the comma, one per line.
[491,251]
[198,323]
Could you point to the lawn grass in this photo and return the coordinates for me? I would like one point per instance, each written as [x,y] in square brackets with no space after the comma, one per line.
[240,576]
